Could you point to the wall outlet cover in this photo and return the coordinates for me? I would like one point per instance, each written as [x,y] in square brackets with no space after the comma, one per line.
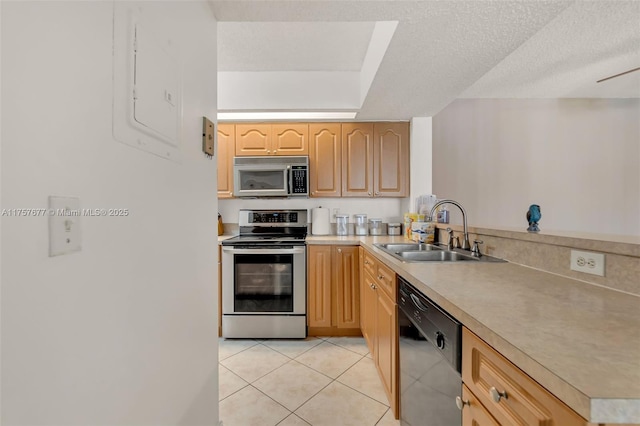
[64,225]
[587,262]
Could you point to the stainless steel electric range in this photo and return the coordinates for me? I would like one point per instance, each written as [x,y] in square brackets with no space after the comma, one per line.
[264,276]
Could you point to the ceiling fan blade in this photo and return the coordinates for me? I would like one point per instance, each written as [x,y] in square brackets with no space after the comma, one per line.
[617,75]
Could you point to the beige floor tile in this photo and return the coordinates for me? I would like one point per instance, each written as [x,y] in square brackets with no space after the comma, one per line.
[339,405]
[292,348]
[228,382]
[293,420]
[355,344]
[388,420]
[255,362]
[229,347]
[364,378]
[250,407]
[292,384]
[329,359]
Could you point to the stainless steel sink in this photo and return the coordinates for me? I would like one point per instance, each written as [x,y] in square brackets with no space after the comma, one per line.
[401,247]
[420,252]
[434,256]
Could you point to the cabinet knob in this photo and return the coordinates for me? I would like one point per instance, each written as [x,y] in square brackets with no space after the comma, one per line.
[275,150]
[339,250]
[496,395]
[366,262]
[372,285]
[377,193]
[380,277]
[460,403]
[268,151]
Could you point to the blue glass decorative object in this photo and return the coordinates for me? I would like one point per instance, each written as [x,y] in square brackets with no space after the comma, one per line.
[533,216]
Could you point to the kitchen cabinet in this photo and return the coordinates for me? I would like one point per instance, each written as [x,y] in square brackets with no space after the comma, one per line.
[272,139]
[226,152]
[375,159]
[325,159]
[333,278]
[506,392]
[380,323]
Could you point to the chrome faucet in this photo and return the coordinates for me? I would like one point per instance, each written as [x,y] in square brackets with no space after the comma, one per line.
[465,238]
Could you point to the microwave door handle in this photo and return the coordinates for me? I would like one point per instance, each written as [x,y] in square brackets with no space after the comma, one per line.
[289,177]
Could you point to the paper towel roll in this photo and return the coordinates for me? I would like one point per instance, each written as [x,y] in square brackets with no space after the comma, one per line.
[320,224]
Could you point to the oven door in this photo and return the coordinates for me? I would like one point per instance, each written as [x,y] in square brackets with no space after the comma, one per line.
[263,280]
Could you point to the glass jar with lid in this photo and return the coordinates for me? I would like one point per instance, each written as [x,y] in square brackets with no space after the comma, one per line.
[375,226]
[360,224]
[342,224]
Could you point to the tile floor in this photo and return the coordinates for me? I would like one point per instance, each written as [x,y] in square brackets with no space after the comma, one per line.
[317,381]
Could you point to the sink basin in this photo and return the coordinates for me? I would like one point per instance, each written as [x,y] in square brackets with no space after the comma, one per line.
[434,256]
[420,252]
[402,247]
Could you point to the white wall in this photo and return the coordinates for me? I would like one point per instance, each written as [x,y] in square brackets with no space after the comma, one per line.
[123,332]
[579,159]
[421,160]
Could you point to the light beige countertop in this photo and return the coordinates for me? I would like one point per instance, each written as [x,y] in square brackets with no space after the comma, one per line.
[579,341]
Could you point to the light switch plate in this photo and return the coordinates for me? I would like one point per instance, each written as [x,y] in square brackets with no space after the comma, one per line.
[64,225]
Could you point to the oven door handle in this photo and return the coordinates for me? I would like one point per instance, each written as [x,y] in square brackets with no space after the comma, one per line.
[295,250]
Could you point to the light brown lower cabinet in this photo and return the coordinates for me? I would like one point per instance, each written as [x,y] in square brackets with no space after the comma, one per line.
[219,290]
[333,277]
[379,323]
[509,396]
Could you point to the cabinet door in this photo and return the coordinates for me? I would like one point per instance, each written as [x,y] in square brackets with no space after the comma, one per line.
[368,307]
[226,151]
[474,414]
[325,159]
[386,356]
[253,139]
[219,290]
[319,286]
[357,159]
[391,160]
[290,139]
[346,279]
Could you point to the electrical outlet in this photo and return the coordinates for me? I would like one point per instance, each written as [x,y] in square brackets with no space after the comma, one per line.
[587,262]
[334,212]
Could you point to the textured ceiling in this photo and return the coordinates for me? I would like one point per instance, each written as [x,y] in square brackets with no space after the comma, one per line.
[442,50]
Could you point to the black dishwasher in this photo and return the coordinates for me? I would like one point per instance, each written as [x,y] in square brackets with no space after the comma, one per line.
[430,359]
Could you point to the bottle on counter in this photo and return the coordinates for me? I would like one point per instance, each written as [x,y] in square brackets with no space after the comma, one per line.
[361,224]
[342,224]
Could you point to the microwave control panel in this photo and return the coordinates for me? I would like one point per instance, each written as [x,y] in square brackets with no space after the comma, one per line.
[299,180]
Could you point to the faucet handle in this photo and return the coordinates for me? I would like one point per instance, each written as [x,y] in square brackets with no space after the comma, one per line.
[475,250]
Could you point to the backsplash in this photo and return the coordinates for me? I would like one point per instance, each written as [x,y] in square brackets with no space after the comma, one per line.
[552,253]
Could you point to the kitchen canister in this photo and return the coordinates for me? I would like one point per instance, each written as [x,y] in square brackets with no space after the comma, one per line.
[360,224]
[394,228]
[320,224]
[375,227]
[342,224]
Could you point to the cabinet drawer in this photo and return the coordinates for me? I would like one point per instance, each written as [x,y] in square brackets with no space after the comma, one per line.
[370,264]
[385,278]
[511,396]
[473,413]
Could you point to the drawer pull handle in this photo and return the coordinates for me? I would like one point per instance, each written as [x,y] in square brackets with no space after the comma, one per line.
[460,403]
[380,277]
[372,285]
[496,395]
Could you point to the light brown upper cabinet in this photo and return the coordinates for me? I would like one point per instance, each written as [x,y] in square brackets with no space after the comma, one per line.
[226,151]
[272,139]
[391,159]
[375,159]
[325,159]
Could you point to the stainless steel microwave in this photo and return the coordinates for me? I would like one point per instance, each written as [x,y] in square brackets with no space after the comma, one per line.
[277,176]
